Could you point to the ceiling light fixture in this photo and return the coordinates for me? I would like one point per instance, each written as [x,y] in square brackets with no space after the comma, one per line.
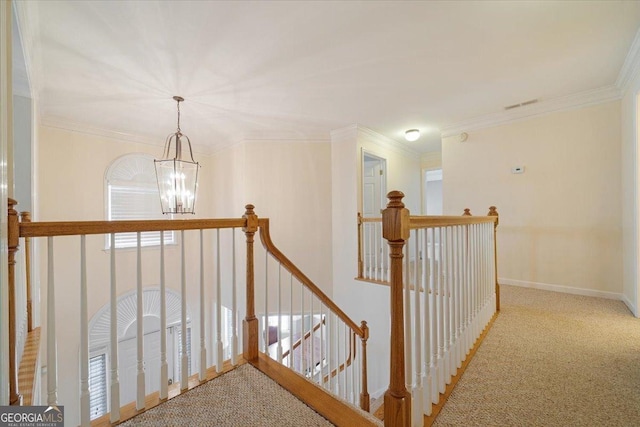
[177,176]
[412,135]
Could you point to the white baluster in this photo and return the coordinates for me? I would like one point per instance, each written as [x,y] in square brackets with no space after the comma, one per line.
[408,366]
[418,392]
[370,245]
[266,303]
[303,348]
[312,336]
[468,293]
[278,334]
[184,361]
[446,295]
[113,310]
[376,245]
[52,351]
[453,352]
[329,350]
[85,418]
[140,390]
[426,274]
[476,283]
[434,318]
[164,366]
[219,346]
[338,384]
[322,345]
[203,344]
[291,330]
[345,379]
[349,372]
[441,314]
[460,296]
[234,302]
[451,298]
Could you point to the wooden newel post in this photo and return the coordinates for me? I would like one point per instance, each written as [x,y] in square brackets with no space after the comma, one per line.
[395,228]
[13,239]
[493,212]
[364,394]
[26,217]
[250,323]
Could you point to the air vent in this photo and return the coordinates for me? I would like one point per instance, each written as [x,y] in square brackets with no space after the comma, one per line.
[522,104]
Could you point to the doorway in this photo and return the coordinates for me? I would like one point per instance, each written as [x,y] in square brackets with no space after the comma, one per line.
[374,185]
[432,192]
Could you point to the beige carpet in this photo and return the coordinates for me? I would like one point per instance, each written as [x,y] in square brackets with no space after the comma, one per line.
[552,359]
[224,402]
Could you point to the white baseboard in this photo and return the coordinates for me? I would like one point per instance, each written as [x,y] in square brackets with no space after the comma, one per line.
[564,289]
[630,306]
[378,393]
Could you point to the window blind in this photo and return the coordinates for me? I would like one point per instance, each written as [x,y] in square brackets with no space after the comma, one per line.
[136,202]
[98,386]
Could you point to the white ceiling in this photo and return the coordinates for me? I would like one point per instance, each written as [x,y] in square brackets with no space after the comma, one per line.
[301,69]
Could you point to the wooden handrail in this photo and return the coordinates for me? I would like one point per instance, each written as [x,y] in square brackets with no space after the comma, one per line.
[295,271]
[427,221]
[45,229]
[370,219]
[440,221]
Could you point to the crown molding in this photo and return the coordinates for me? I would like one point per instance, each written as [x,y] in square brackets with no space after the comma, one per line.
[284,136]
[63,124]
[564,103]
[27,21]
[387,143]
[347,132]
[631,67]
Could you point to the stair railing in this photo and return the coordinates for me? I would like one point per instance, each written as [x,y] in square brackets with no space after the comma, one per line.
[327,353]
[303,329]
[444,292]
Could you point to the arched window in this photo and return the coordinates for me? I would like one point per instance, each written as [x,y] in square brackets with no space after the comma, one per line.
[132,193]
[100,341]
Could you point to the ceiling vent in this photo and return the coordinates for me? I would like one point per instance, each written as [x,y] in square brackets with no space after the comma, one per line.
[522,104]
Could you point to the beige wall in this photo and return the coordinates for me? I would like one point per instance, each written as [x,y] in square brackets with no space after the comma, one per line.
[560,221]
[289,182]
[431,160]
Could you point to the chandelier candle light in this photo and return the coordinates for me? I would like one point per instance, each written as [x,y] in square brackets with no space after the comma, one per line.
[177,177]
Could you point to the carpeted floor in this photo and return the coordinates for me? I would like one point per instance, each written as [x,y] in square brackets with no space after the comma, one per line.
[552,359]
[224,401]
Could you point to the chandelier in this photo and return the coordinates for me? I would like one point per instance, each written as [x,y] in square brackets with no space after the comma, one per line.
[177,175]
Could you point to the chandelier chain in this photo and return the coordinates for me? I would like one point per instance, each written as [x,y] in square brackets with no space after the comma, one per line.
[178,116]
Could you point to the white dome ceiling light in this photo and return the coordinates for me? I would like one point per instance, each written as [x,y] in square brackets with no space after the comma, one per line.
[412,135]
